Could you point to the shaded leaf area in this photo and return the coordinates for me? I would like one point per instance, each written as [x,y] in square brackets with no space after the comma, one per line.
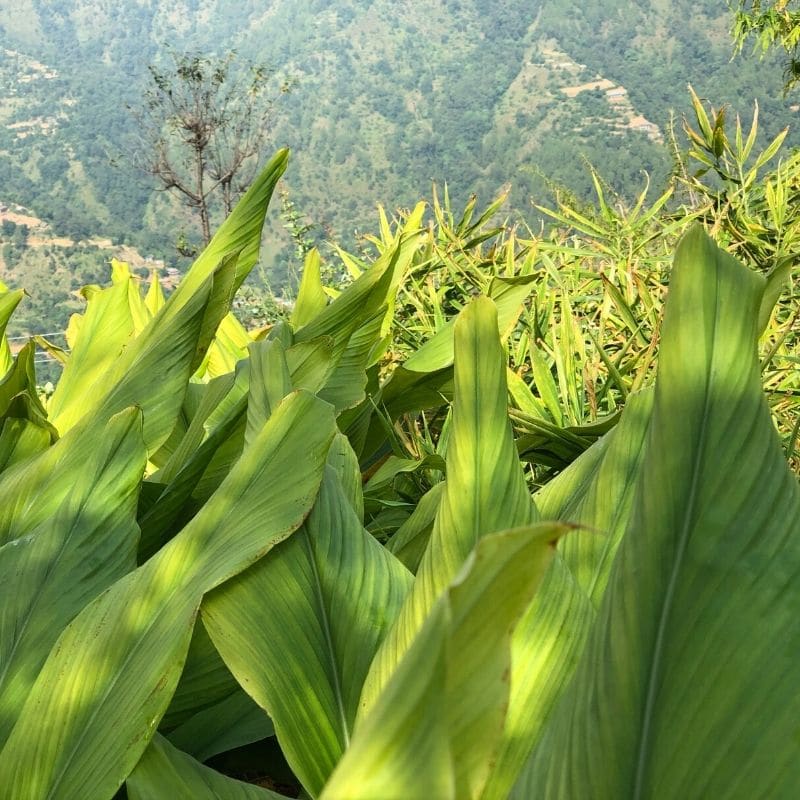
[687,673]
[165,771]
[69,559]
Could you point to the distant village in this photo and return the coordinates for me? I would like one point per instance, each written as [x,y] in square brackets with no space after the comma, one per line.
[38,234]
[625,116]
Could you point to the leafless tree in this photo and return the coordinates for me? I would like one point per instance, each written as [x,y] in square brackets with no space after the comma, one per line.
[202,124]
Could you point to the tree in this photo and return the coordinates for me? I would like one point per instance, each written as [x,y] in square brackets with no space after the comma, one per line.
[203,123]
[773,24]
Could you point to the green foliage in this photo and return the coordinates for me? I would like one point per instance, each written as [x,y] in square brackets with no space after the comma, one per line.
[772,25]
[328,539]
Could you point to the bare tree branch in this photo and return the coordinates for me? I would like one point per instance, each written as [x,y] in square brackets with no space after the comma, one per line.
[203,124]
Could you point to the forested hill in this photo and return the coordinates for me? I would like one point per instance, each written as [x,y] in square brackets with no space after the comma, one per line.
[388,96]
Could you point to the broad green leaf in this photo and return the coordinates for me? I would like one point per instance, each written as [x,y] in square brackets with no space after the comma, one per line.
[407,391]
[214,397]
[411,539]
[523,398]
[154,299]
[212,280]
[425,380]
[299,629]
[205,681]
[345,386]
[31,491]
[140,314]
[20,439]
[110,676]
[595,493]
[454,677]
[240,234]
[166,773]
[175,504]
[106,329]
[229,346]
[18,396]
[311,297]
[152,371]
[311,363]
[270,382]
[393,756]
[485,489]
[67,560]
[344,463]
[8,302]
[687,687]
[384,477]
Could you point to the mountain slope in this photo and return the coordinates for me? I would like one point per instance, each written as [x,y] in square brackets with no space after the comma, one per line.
[387,97]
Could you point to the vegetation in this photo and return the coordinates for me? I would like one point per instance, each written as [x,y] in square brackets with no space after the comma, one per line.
[775,24]
[473,509]
[259,542]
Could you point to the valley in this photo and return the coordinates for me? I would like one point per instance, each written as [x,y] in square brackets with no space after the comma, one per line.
[385,102]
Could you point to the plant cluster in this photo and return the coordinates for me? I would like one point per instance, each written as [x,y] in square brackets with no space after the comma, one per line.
[476,525]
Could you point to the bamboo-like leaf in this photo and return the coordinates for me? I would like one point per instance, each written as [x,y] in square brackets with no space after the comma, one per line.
[686,687]
[776,283]
[359,301]
[166,773]
[311,614]
[508,294]
[109,678]
[545,383]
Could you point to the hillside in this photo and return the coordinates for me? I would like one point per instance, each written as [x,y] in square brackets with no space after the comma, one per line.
[388,97]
